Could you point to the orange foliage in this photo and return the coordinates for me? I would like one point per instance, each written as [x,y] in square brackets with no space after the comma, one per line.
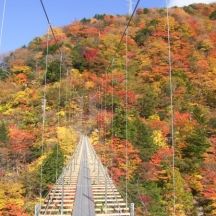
[160,125]
[182,119]
[12,210]
[79,29]
[90,54]
[209,182]
[131,96]
[21,78]
[20,140]
[103,118]
[154,169]
[118,149]
[203,66]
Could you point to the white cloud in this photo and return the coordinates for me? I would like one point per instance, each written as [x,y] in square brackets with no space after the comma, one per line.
[188,2]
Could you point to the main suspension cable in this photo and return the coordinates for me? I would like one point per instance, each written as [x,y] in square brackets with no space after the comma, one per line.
[124,33]
[60,78]
[50,25]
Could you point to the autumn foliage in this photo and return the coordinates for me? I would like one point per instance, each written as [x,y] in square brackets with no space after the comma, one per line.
[132,114]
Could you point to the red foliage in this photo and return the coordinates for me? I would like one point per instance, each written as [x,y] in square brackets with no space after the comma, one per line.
[81,30]
[194,25]
[102,118]
[161,155]
[131,96]
[53,41]
[145,199]
[209,172]
[182,119]
[2,173]
[212,36]
[154,169]
[118,170]
[160,69]
[20,140]
[90,54]
[12,210]
[203,65]
[209,182]
[21,78]
[160,125]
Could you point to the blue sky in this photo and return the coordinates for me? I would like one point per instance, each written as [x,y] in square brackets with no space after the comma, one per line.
[24,19]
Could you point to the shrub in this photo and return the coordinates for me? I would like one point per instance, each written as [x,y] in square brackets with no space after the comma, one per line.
[51,166]
[142,35]
[197,144]
[212,16]
[3,74]
[3,132]
[53,72]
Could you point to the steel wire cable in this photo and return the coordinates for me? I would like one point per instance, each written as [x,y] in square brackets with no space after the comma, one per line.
[171,106]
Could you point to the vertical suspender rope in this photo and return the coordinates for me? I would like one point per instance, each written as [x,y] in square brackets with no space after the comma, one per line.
[66,120]
[126,101]
[171,109]
[126,117]
[1,36]
[2,23]
[44,113]
[59,105]
[113,111]
[66,97]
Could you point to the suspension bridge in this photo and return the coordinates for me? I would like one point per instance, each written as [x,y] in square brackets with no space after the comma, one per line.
[84,188]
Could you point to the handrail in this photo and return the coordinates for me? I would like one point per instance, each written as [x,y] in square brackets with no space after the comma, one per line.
[61,177]
[77,150]
[69,166]
[106,176]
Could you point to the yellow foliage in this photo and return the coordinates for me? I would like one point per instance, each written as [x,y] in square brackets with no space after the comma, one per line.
[35,165]
[131,167]
[11,193]
[20,97]
[89,85]
[74,106]
[94,138]
[154,117]
[58,32]
[158,138]
[212,62]
[38,55]
[146,61]
[61,113]
[195,182]
[76,73]
[6,109]
[21,69]
[67,139]
[172,23]
[23,97]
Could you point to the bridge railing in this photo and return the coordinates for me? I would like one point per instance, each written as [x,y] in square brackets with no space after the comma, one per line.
[61,178]
[106,175]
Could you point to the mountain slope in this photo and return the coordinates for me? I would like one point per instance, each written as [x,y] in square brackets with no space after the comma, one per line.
[93,100]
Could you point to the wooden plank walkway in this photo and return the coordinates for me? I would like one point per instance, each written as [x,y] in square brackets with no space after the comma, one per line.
[84,203]
[84,188]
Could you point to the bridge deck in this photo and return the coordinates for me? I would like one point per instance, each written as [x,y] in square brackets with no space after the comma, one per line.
[84,188]
[84,203]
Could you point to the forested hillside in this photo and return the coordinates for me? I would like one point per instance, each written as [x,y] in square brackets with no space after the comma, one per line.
[93,100]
